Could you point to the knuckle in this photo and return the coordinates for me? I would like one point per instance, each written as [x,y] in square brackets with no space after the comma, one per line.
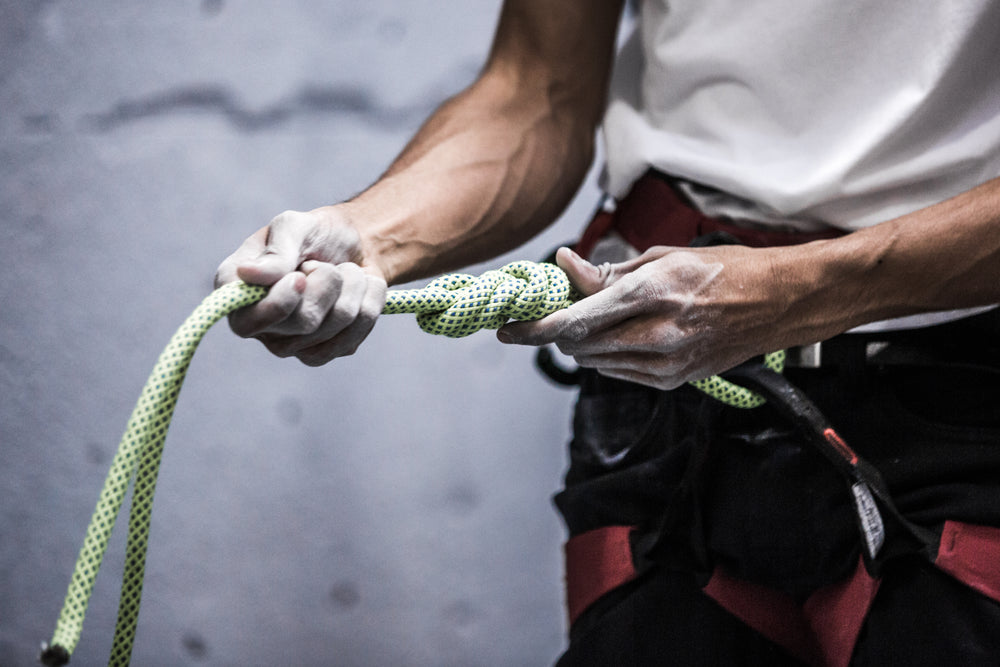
[225,273]
[310,319]
[285,217]
[606,273]
[332,241]
[351,271]
[370,311]
[344,310]
[576,327]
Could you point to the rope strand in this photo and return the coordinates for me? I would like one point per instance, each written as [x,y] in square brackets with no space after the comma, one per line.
[453,305]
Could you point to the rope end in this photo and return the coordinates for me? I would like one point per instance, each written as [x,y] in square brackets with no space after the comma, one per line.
[53,656]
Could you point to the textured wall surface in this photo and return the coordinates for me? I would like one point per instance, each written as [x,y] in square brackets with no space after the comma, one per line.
[392,508]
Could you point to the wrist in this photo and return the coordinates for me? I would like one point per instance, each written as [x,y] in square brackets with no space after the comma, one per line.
[937,258]
[823,288]
[836,285]
[346,219]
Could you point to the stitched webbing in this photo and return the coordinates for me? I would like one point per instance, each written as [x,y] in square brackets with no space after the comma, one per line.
[455,305]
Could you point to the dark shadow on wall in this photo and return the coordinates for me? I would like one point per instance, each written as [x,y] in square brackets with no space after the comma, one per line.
[218,99]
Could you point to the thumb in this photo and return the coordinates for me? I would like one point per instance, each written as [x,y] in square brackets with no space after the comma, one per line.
[586,278]
[279,253]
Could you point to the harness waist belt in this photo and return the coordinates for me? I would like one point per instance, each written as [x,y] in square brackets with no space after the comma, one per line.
[654,213]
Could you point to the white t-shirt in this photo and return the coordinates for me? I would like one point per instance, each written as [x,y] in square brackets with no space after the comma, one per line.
[807,114]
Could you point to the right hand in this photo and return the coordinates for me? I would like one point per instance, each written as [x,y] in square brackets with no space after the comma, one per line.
[324,296]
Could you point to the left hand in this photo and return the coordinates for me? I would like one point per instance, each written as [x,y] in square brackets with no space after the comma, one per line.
[325,291]
[667,317]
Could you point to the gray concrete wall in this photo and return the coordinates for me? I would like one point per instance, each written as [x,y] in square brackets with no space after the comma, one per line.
[392,508]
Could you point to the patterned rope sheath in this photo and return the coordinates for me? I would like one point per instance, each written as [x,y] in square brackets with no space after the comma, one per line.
[453,305]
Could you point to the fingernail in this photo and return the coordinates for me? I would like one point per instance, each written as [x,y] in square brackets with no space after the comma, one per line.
[505,337]
[572,253]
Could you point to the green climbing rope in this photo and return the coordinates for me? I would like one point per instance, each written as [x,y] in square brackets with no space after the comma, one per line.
[454,305]
[139,452]
[458,304]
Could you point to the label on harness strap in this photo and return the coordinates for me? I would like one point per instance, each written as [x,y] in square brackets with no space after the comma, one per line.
[869,518]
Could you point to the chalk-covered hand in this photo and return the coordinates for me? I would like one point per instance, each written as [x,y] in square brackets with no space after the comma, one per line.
[324,297]
[667,317]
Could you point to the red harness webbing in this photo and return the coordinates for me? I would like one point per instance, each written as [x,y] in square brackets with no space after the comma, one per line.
[971,554]
[653,214]
[596,562]
[822,630]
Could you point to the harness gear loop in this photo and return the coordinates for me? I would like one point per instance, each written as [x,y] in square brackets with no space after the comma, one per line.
[451,305]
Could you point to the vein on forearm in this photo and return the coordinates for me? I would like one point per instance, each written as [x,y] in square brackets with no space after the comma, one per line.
[501,160]
[472,186]
[942,257]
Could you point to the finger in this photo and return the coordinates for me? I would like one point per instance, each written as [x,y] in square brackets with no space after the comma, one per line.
[573,323]
[614,294]
[639,377]
[664,370]
[249,250]
[585,277]
[640,333]
[650,369]
[350,338]
[590,278]
[323,284]
[282,300]
[640,362]
[284,246]
[326,317]
[346,308]
[584,318]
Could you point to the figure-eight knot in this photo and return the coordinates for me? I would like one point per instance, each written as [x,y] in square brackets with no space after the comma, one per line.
[458,304]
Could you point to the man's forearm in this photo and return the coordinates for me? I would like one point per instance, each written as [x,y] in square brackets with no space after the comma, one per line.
[942,257]
[485,173]
[501,160]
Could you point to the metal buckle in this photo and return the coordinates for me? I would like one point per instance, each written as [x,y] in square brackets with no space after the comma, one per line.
[805,356]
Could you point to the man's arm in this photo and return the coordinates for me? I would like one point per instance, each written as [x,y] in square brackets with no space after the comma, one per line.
[501,160]
[674,315]
[491,168]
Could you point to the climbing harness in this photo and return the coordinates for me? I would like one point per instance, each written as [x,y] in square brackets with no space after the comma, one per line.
[823,627]
[453,305]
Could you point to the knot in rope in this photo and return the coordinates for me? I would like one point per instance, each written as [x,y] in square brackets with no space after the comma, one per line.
[453,305]
[459,304]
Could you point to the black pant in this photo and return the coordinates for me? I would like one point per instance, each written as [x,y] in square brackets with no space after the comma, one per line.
[773,511]
[920,617]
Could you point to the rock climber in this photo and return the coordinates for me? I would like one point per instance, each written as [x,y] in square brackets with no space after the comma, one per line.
[780,174]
